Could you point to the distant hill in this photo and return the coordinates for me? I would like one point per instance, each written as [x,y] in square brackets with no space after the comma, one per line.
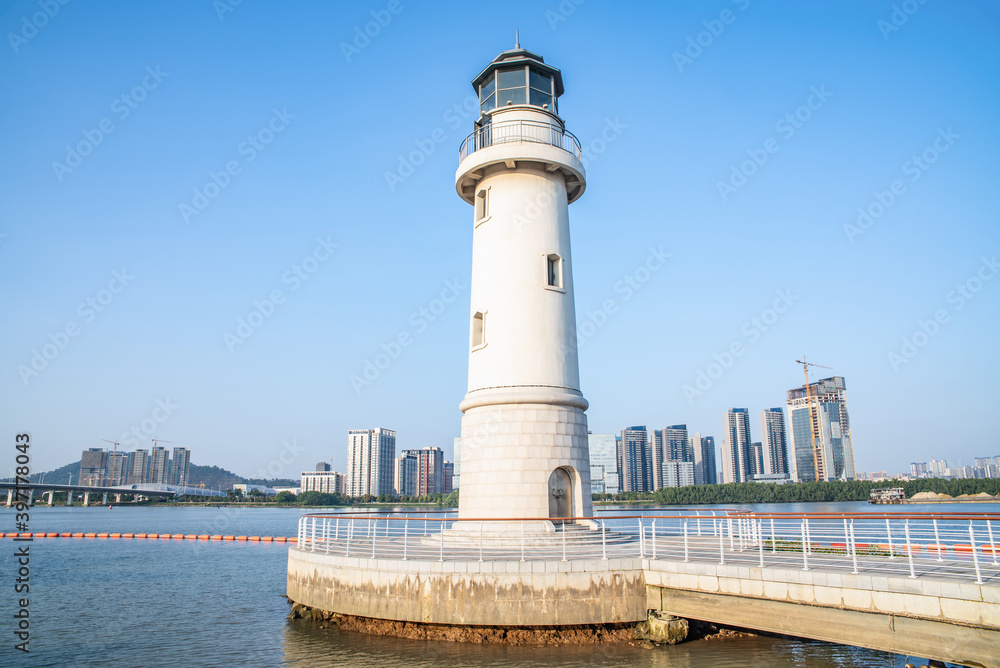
[212,476]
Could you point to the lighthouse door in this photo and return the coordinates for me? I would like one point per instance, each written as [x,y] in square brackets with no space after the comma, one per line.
[560,494]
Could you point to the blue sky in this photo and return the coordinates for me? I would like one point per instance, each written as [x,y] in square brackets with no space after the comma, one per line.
[250,155]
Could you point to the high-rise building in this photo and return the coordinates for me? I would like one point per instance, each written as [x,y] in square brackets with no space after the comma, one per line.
[736,455]
[138,467]
[604,476]
[404,475]
[94,467]
[370,465]
[159,465]
[656,455]
[449,475]
[703,450]
[670,444]
[678,474]
[919,470]
[821,446]
[323,466]
[457,476]
[774,440]
[637,460]
[426,476]
[756,459]
[117,468]
[180,467]
[938,467]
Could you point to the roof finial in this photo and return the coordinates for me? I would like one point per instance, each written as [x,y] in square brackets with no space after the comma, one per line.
[517,38]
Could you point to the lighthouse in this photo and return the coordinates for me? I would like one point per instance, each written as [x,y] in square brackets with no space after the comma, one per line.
[524,451]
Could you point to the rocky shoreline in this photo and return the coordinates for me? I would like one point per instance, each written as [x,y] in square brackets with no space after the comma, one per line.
[657,630]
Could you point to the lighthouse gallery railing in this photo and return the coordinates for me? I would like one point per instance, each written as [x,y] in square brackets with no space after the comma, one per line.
[520,131]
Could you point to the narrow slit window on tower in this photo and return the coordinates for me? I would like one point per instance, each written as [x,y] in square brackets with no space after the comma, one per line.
[478,330]
[553,271]
[482,204]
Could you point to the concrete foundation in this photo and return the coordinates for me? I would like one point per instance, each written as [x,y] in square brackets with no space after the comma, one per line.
[511,593]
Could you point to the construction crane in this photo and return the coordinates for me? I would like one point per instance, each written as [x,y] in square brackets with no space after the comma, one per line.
[109,463]
[813,418]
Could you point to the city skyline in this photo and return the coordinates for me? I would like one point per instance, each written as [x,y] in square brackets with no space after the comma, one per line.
[196,215]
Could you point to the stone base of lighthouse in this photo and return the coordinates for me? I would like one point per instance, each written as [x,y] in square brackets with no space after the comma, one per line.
[525,461]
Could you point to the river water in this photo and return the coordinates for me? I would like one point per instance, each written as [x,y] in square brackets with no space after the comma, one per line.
[137,603]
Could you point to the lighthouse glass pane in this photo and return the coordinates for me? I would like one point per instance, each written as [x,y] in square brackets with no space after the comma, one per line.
[539,98]
[540,81]
[488,103]
[487,89]
[512,96]
[511,78]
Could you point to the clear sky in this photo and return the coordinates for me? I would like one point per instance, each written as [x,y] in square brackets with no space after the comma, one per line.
[168,166]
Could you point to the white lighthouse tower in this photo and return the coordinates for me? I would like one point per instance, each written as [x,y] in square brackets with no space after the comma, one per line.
[524,446]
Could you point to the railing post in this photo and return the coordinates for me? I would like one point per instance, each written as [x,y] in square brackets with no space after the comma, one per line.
[604,541]
[975,555]
[909,548]
[326,533]
[854,549]
[888,532]
[847,539]
[993,546]
[808,545]
[302,532]
[369,528]
[698,520]
[350,532]
[774,542]
[685,541]
[374,538]
[722,547]
[406,532]
[654,536]
[760,541]
[937,542]
[336,530]
[730,521]
[441,558]
[642,540]
[564,541]
[715,526]
[312,535]
[522,540]
[805,554]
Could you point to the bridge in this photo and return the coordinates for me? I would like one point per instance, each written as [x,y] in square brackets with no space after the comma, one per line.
[919,584]
[148,490]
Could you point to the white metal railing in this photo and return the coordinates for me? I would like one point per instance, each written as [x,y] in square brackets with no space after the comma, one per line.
[506,132]
[955,545]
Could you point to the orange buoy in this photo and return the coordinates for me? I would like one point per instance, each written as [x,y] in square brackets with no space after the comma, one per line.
[90,535]
[178,536]
[52,535]
[128,535]
[293,539]
[203,536]
[116,535]
[991,549]
[153,535]
[241,538]
[103,535]
[266,539]
[939,549]
[280,539]
[38,535]
[141,535]
[254,539]
[228,537]
[963,548]
[191,536]
[217,537]
[65,535]
[78,535]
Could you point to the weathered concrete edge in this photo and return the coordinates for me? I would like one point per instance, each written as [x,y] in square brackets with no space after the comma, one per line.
[967,645]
